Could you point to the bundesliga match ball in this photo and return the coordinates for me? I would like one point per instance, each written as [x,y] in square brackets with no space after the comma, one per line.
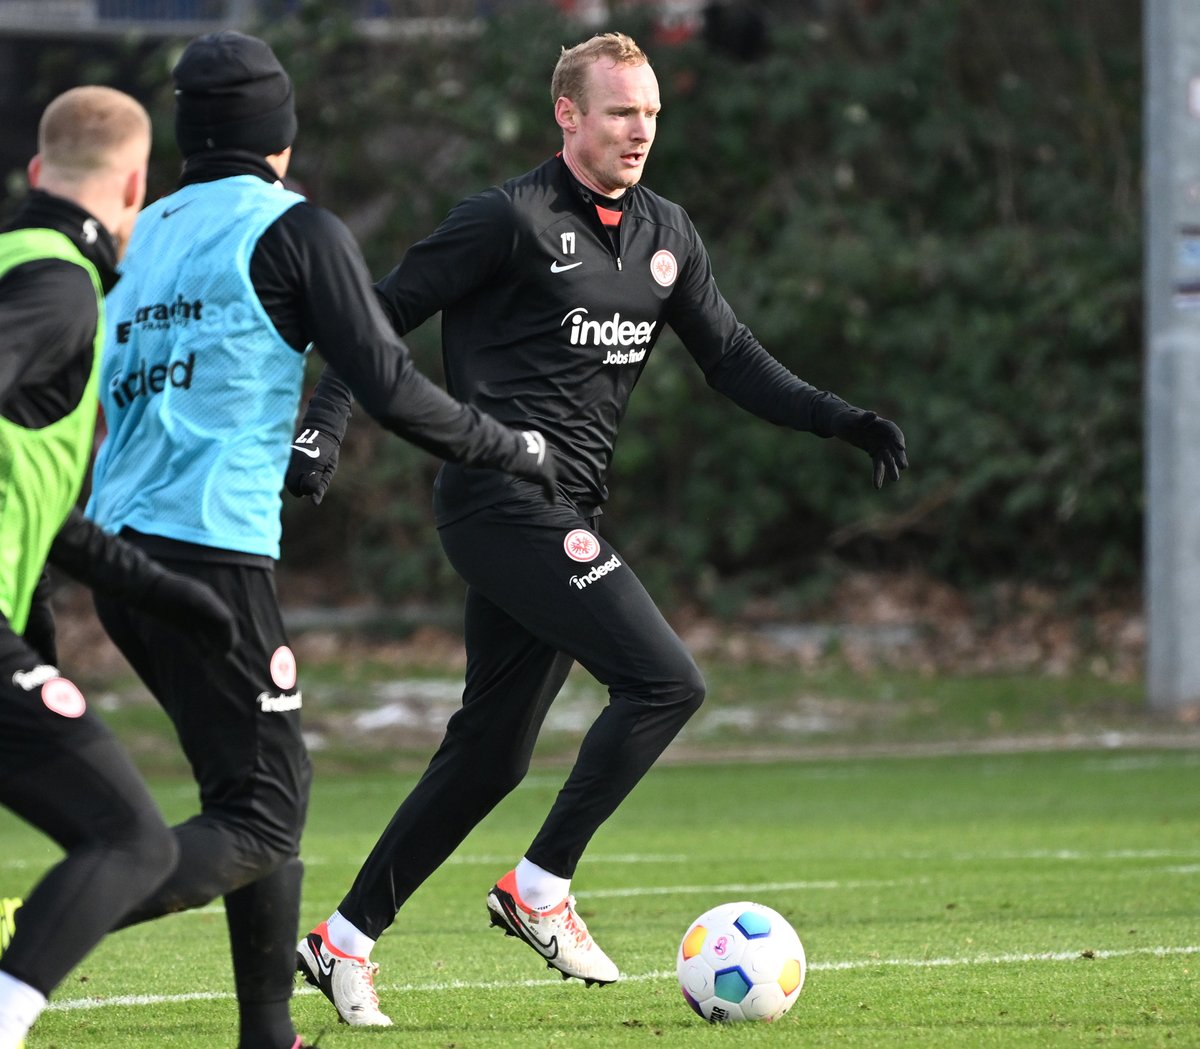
[740,961]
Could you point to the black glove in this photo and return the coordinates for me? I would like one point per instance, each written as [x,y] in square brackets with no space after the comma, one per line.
[192,607]
[313,463]
[121,571]
[880,438]
[533,460]
[40,634]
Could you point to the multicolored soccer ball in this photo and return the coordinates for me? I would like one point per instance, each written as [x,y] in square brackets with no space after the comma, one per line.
[740,961]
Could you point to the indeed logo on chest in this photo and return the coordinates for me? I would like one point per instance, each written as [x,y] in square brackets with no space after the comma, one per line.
[146,381]
[629,337]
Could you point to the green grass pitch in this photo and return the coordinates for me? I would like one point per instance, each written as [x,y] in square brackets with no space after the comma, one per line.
[1031,900]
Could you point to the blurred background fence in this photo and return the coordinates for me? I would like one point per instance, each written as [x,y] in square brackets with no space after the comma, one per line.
[931,207]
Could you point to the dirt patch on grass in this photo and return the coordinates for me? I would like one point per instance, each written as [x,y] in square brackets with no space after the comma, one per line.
[380,679]
[869,620]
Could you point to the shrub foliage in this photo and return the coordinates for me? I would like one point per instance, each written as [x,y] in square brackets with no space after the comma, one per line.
[931,208]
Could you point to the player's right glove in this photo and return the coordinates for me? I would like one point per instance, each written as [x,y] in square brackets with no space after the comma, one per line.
[880,438]
[313,463]
[533,459]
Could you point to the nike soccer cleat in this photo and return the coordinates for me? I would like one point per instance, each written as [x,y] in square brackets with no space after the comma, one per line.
[558,935]
[347,981]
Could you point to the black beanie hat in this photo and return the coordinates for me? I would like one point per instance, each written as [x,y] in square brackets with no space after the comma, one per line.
[232,93]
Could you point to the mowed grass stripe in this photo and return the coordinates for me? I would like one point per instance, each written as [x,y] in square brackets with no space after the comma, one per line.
[953,902]
[67,1005]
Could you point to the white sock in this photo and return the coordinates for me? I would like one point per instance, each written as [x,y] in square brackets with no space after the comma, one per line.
[346,938]
[538,888]
[20,1005]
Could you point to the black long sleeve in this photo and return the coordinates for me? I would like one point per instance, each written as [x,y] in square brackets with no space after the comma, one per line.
[101,561]
[736,364]
[548,319]
[48,315]
[310,249]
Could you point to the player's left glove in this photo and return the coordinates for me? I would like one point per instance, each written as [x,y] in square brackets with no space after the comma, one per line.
[191,606]
[313,463]
[880,438]
[123,572]
[532,458]
[40,633]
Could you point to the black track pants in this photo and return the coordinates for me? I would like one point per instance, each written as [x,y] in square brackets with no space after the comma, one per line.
[544,590]
[62,771]
[238,721]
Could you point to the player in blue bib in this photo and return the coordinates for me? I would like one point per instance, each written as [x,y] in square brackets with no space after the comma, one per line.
[227,283]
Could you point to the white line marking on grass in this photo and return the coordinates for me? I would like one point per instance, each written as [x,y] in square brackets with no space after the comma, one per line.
[665,974]
[504,862]
[1071,855]
[73,1004]
[1138,763]
[1005,959]
[1112,854]
[628,857]
[744,889]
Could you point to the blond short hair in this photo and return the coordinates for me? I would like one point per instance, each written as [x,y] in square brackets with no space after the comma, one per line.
[83,128]
[570,74]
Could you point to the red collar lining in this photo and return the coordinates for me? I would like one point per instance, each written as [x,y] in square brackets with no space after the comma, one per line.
[608,216]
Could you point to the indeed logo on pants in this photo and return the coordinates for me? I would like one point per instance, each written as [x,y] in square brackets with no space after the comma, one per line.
[598,572]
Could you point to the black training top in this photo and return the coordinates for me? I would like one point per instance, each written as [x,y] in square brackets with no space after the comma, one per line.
[309,274]
[48,315]
[551,303]
[48,322]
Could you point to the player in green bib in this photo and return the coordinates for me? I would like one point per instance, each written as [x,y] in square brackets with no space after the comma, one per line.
[60,769]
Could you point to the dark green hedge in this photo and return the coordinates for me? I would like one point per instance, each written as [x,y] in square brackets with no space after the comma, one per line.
[931,208]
